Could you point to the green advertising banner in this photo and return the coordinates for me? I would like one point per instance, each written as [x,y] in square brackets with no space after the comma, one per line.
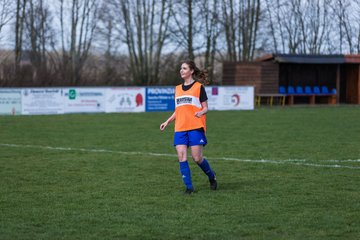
[10,101]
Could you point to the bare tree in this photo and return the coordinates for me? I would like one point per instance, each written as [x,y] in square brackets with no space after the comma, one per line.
[143,25]
[241,22]
[189,5]
[249,19]
[271,18]
[343,10]
[313,19]
[19,29]
[292,24]
[211,32]
[105,32]
[6,13]
[187,25]
[357,25]
[299,26]
[114,67]
[38,26]
[229,23]
[316,25]
[78,19]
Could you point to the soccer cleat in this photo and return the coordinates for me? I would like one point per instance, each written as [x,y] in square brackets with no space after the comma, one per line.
[189,191]
[213,183]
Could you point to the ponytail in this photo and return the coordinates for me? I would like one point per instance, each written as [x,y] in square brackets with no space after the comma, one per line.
[201,76]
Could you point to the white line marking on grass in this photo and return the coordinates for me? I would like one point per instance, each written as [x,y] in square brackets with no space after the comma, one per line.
[259,160]
[346,160]
[290,162]
[86,150]
[299,162]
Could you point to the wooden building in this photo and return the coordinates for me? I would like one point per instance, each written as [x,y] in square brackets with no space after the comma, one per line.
[338,73]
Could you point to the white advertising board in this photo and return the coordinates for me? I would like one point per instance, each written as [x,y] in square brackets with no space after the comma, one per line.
[10,101]
[125,99]
[84,100]
[42,101]
[230,98]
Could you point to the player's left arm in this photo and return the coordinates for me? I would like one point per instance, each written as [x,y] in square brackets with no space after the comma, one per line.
[204,104]
[204,109]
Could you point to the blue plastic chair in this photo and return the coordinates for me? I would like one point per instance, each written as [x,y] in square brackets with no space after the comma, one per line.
[282,90]
[333,91]
[324,90]
[308,90]
[316,90]
[291,90]
[299,90]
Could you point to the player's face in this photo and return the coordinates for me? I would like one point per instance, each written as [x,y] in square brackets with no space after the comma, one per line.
[185,71]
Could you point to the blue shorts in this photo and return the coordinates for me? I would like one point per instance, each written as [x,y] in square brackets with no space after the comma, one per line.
[190,138]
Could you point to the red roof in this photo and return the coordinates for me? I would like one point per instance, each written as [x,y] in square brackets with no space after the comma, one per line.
[311,58]
[352,58]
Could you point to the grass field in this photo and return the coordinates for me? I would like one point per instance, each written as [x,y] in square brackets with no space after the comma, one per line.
[283,173]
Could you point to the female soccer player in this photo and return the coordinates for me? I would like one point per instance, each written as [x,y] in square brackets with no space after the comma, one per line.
[190,123]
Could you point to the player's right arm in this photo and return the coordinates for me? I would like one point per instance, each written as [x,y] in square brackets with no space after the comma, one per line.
[164,124]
